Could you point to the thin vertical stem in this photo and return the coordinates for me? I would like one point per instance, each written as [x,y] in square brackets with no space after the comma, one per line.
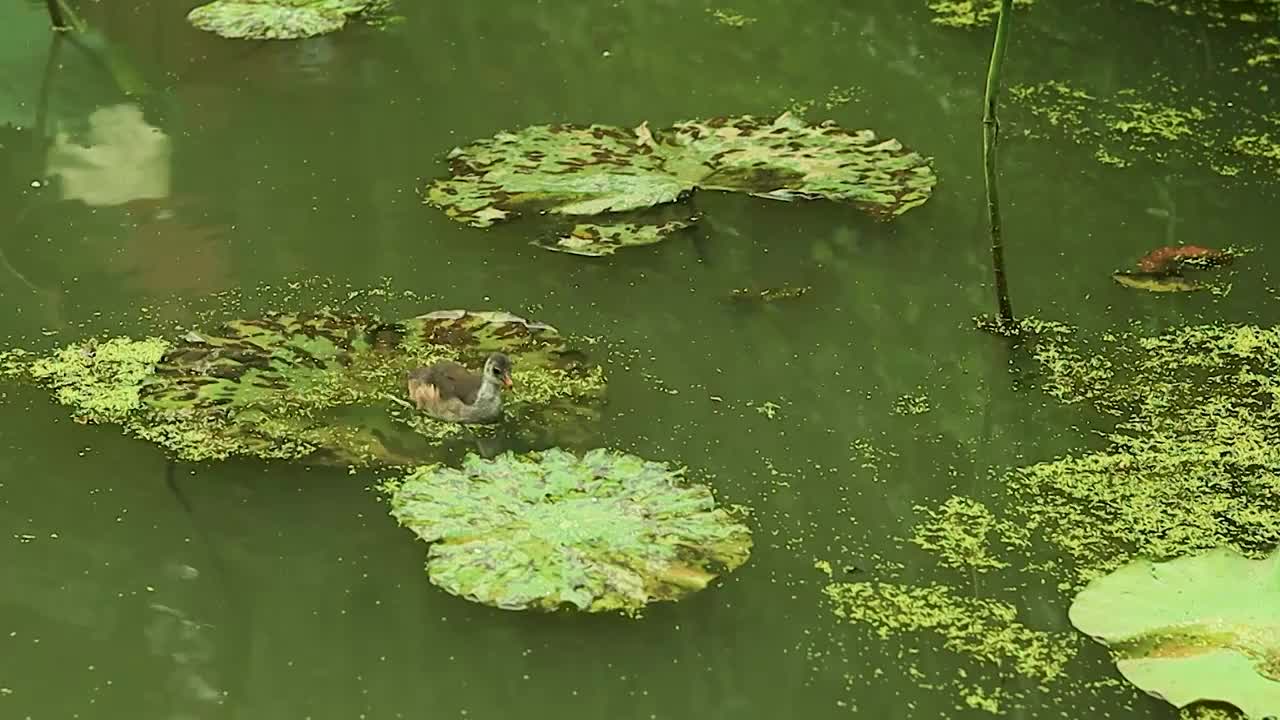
[990,134]
[55,15]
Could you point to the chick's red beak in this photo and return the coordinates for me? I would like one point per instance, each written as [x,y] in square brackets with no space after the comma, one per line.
[506,380]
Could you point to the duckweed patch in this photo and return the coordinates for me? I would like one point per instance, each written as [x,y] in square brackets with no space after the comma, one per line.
[960,531]
[730,18]
[983,629]
[1184,463]
[968,14]
[1221,11]
[1157,124]
[99,380]
[909,404]
[322,386]
[1187,465]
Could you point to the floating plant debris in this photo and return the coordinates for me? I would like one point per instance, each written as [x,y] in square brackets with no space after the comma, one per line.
[730,18]
[769,295]
[1161,270]
[1173,258]
[605,531]
[911,404]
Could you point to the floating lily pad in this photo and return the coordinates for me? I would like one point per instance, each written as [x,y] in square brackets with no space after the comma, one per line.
[598,170]
[595,240]
[1155,281]
[277,19]
[1201,627]
[319,386]
[601,532]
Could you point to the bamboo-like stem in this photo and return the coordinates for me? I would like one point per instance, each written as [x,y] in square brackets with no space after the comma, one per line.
[990,134]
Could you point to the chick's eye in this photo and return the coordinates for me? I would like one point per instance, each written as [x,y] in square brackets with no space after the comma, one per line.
[497,372]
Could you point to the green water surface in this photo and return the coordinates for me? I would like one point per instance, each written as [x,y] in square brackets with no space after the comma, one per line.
[281,592]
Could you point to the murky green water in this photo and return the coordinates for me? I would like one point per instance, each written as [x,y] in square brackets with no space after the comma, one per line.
[281,591]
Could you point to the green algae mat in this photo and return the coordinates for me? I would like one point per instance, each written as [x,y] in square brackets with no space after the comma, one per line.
[1167,529]
[325,387]
[604,178]
[1201,627]
[604,531]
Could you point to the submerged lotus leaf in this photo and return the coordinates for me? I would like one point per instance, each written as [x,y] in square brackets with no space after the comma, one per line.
[601,532]
[596,240]
[275,19]
[1201,627]
[1159,282]
[598,169]
[290,386]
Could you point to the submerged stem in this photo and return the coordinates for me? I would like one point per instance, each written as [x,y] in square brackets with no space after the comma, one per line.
[990,134]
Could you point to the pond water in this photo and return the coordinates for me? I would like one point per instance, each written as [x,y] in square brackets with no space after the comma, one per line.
[136,587]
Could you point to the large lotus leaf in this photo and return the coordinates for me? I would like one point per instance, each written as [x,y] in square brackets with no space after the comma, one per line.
[605,531]
[557,168]
[1201,627]
[289,386]
[599,169]
[787,159]
[275,19]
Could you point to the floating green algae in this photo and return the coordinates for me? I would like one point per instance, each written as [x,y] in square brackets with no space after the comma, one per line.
[968,13]
[960,532]
[911,404]
[1189,423]
[101,379]
[1263,52]
[322,386]
[983,629]
[730,18]
[602,532]
[1247,11]
[1187,464]
[1160,124]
